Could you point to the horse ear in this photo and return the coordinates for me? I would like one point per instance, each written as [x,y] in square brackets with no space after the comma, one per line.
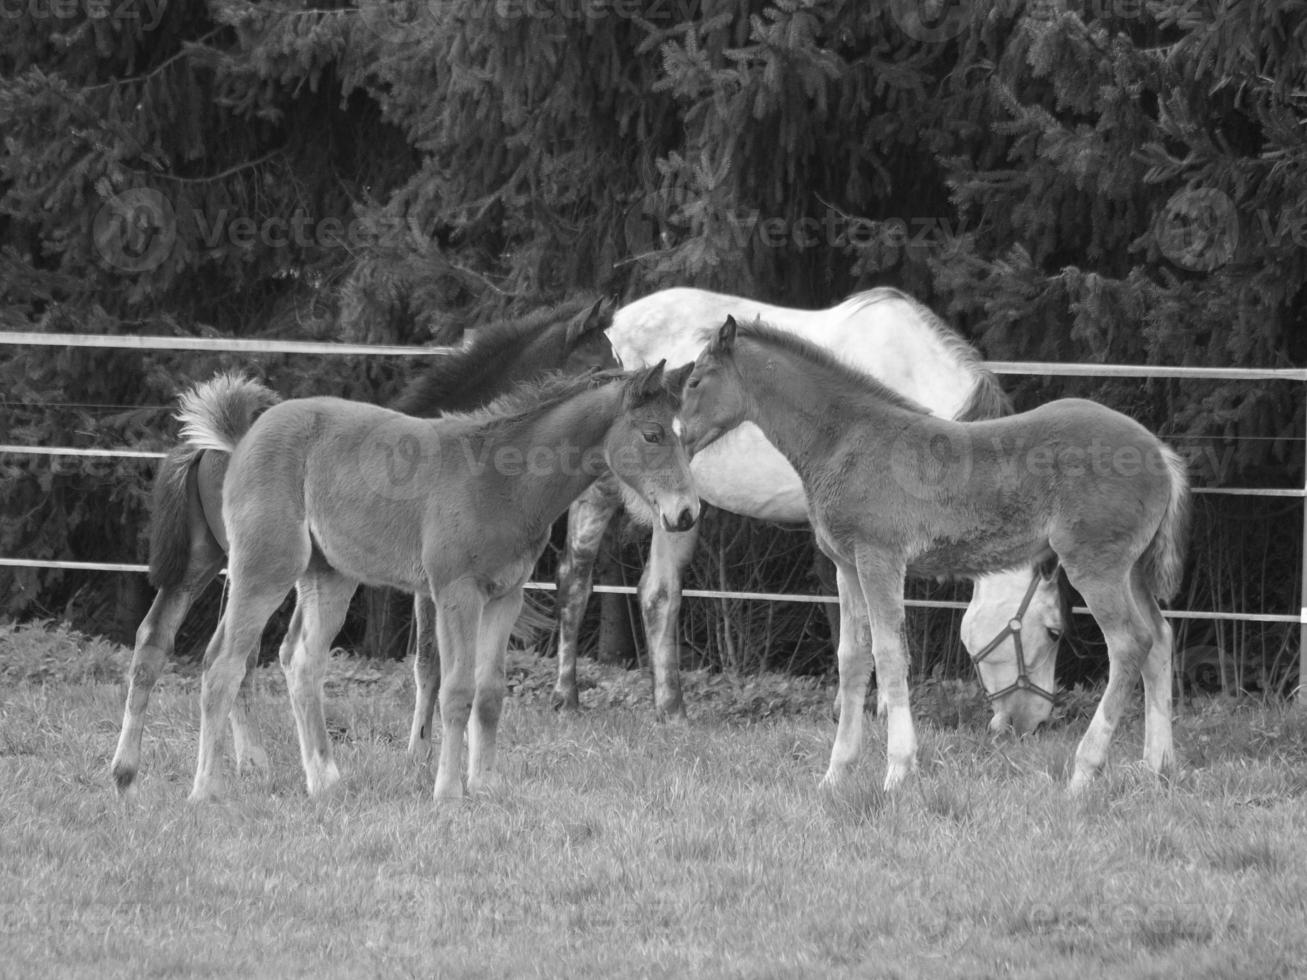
[724,343]
[594,320]
[648,382]
[675,379]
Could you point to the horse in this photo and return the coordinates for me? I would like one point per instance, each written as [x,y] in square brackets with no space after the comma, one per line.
[896,340]
[893,489]
[324,494]
[188,541]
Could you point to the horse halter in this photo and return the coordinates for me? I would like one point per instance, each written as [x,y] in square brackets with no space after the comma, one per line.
[1013,629]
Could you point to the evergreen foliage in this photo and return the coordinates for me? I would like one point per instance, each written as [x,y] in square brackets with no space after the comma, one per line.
[1073,180]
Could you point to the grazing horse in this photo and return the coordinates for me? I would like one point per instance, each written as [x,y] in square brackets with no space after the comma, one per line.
[902,344]
[188,542]
[324,494]
[893,490]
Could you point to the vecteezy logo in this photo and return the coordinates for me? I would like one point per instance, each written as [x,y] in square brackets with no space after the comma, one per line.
[1198,229]
[395,464]
[928,464]
[135,230]
[931,20]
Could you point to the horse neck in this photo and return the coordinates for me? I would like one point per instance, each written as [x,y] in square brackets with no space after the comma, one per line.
[802,407]
[572,432]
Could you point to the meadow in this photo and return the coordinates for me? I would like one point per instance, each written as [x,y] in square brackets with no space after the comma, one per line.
[619,847]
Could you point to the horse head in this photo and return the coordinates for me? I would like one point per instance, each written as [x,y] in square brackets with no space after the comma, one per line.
[714,401]
[642,449]
[1015,653]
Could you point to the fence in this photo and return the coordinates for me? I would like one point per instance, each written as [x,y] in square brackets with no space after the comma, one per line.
[232,345]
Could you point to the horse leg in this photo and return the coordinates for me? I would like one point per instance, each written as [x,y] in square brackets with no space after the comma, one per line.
[324,596]
[250,752]
[458,624]
[854,655]
[660,602]
[1159,750]
[426,677]
[827,579]
[154,645]
[882,590]
[1128,639]
[224,667]
[497,621]
[587,519]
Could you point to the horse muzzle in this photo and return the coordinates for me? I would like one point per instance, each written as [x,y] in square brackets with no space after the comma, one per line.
[683,521]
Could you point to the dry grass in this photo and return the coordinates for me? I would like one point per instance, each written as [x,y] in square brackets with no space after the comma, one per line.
[619,847]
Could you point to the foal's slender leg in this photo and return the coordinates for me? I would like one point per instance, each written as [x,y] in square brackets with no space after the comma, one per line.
[247,612]
[324,599]
[1159,750]
[250,753]
[426,676]
[854,655]
[588,517]
[497,621]
[154,645]
[882,589]
[1128,639]
[458,623]
[660,602]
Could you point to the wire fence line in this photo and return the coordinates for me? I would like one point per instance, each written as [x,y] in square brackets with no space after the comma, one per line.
[1036,368]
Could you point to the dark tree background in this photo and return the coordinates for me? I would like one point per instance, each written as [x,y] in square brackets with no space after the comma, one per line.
[1074,180]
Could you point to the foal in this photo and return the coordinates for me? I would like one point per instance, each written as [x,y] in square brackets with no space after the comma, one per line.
[188,541]
[894,490]
[324,494]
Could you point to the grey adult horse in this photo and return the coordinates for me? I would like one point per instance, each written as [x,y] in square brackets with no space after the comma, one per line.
[1070,479]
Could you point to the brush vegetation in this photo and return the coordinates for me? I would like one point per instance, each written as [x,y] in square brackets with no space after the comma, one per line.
[620,847]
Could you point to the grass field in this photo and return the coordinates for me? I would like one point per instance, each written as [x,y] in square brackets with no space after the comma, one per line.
[623,848]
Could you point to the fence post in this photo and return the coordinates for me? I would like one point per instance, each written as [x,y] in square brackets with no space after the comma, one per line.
[1302,605]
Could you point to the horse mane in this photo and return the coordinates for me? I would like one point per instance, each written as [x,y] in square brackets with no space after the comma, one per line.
[768,336]
[988,399]
[457,379]
[532,397]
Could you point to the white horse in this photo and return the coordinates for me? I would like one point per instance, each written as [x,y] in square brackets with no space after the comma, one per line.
[1013,623]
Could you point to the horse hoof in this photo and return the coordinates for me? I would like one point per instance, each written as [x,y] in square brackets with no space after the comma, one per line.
[124,781]
[322,779]
[895,774]
[565,701]
[209,793]
[672,714]
[450,794]
[488,784]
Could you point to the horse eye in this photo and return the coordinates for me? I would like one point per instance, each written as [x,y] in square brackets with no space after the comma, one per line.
[693,382]
[654,436]
[1054,633]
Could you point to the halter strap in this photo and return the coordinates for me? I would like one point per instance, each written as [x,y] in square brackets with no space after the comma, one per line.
[1013,629]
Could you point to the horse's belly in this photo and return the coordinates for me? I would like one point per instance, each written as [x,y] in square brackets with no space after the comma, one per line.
[976,556]
[744,473]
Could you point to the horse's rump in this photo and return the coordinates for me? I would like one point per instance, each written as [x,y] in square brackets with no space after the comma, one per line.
[1163,561]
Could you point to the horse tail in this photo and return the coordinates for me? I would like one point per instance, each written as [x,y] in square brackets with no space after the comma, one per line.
[170,536]
[215,414]
[1163,559]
